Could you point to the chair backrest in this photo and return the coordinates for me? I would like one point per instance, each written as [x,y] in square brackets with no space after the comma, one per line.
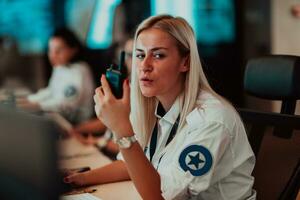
[274,77]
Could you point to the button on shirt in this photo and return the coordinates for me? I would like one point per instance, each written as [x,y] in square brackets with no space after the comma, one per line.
[69,92]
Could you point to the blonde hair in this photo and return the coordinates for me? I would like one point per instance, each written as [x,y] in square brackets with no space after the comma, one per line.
[143,108]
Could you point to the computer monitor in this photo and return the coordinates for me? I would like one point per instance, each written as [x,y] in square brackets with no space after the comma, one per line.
[28,157]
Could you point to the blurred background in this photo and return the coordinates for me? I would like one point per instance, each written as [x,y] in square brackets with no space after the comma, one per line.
[228,32]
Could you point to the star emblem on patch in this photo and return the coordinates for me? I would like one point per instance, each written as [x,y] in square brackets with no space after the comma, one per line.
[196,159]
[70,91]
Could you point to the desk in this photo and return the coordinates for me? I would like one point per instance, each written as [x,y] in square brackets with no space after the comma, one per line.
[74,154]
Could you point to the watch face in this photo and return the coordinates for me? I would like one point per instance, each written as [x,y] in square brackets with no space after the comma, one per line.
[125,143]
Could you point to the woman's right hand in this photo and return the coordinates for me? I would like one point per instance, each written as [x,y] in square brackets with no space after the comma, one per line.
[112,111]
[77,179]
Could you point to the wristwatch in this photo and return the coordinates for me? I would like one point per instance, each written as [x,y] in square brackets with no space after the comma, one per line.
[126,142]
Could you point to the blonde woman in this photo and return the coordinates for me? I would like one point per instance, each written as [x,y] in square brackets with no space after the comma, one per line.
[182,140]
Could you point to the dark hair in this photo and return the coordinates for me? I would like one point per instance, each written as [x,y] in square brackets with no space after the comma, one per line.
[72,41]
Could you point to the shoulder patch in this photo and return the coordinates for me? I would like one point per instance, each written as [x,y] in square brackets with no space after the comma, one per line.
[196,159]
[70,91]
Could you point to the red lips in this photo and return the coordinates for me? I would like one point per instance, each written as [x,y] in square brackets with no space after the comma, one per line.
[146,81]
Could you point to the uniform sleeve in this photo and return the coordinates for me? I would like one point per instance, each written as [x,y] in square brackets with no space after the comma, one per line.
[76,94]
[52,104]
[73,92]
[39,96]
[205,158]
[68,99]
[42,94]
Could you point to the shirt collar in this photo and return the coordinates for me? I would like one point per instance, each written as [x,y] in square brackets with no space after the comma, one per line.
[172,114]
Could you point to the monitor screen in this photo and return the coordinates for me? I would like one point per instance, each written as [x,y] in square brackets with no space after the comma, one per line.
[212,20]
[28,158]
[30,23]
[101,26]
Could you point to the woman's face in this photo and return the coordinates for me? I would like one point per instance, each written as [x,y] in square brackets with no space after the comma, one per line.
[160,67]
[59,52]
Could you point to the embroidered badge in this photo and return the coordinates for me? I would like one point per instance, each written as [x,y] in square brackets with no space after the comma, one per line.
[70,91]
[196,159]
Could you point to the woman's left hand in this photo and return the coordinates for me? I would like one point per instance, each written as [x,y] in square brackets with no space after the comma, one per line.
[114,113]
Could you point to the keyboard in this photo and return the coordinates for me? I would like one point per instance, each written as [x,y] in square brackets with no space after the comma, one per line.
[84,196]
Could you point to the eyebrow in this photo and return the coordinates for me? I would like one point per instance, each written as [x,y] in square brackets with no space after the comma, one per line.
[153,49]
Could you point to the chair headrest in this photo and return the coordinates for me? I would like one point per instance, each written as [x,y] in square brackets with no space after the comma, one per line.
[275,77]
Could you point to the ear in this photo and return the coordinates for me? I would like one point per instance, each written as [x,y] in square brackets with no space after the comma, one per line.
[186,64]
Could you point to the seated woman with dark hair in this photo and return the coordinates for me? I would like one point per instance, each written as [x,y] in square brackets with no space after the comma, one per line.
[71,85]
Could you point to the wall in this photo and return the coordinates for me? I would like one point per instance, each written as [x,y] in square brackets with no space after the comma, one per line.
[285,29]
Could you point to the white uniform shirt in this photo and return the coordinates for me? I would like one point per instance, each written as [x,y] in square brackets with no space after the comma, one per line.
[210,158]
[69,92]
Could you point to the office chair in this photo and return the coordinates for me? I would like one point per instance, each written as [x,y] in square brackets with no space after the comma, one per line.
[275,77]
